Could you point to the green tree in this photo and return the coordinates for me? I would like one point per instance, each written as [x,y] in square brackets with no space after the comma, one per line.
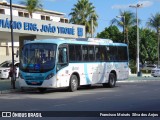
[112,32]
[147,46]
[154,22]
[126,21]
[133,42]
[32,5]
[83,13]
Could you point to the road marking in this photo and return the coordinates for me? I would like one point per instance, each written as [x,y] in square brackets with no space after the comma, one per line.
[60,105]
[100,98]
[83,101]
[117,95]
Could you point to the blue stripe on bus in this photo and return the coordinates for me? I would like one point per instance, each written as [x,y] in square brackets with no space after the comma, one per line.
[103,74]
[86,74]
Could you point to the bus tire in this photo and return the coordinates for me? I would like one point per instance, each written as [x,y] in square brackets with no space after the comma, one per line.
[112,81]
[73,83]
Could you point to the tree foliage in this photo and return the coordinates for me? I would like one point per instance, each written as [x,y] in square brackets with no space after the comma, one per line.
[148,46]
[154,21]
[32,5]
[112,32]
[83,13]
[126,20]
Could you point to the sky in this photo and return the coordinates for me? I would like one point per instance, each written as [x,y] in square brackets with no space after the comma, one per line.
[106,9]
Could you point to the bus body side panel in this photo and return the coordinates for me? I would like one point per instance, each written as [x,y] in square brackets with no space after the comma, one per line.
[121,69]
[84,71]
[90,73]
[105,68]
[95,72]
[102,72]
[63,77]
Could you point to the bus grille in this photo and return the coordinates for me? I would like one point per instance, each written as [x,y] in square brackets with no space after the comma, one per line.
[34,78]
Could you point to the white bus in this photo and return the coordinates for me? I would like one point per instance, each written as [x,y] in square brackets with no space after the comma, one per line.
[55,63]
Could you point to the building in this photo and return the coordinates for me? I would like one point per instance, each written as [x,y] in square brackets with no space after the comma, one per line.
[43,25]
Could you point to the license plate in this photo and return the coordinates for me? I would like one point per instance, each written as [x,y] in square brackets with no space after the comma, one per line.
[34,83]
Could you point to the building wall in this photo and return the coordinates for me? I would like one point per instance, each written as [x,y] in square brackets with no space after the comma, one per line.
[22,12]
[5,57]
[5,46]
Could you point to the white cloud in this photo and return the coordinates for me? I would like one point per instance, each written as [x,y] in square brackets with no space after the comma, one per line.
[120,6]
[145,3]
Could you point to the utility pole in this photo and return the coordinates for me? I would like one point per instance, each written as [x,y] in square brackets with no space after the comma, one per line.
[11,23]
[137,6]
[158,46]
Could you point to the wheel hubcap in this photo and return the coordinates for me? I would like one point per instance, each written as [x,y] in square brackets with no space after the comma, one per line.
[74,84]
[112,80]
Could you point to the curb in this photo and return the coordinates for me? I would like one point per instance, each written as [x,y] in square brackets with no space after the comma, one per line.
[137,80]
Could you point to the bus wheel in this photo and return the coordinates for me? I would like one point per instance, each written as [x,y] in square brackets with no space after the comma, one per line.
[73,83]
[112,81]
[42,90]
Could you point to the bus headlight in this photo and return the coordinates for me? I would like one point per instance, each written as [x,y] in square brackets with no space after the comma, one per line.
[49,76]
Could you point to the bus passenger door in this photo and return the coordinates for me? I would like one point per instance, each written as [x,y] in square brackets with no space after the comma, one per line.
[61,67]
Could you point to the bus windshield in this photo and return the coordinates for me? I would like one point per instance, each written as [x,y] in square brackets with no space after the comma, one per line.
[38,57]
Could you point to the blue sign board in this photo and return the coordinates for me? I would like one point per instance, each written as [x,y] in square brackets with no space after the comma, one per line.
[18,25]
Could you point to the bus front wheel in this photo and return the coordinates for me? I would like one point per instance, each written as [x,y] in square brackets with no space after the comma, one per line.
[73,83]
[112,81]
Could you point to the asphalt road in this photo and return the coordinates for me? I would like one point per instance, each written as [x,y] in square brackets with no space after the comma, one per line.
[126,96]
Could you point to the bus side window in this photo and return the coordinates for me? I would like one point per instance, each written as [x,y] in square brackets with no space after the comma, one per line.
[62,57]
[113,53]
[91,53]
[78,53]
[85,52]
[72,55]
[101,53]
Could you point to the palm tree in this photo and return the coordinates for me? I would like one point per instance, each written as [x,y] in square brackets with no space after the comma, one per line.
[154,22]
[32,5]
[127,20]
[83,13]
